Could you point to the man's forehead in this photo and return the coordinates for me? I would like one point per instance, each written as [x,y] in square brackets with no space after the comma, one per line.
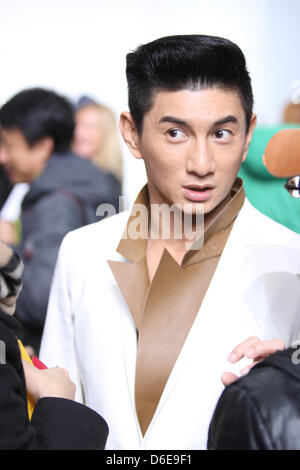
[12,137]
[11,133]
[211,105]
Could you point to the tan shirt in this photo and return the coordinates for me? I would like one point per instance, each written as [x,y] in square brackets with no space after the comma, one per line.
[165,310]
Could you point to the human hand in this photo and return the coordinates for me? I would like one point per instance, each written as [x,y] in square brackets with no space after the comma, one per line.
[252,348]
[53,382]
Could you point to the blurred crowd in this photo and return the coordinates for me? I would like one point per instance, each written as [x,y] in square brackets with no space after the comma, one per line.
[58,162]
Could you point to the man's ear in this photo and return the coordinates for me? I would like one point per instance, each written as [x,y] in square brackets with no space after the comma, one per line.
[130,134]
[249,136]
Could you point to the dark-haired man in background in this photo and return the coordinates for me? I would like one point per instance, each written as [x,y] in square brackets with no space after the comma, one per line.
[148,344]
[37,127]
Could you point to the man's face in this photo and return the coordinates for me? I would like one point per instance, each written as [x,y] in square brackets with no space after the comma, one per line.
[193,143]
[22,162]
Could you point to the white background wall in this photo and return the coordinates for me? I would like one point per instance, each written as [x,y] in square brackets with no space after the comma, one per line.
[78,47]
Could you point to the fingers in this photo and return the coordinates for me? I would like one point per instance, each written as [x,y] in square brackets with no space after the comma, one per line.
[240,350]
[52,382]
[254,348]
[67,375]
[265,348]
[228,378]
[63,372]
[246,369]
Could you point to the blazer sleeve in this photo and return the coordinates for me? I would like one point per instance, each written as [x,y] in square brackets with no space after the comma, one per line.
[57,345]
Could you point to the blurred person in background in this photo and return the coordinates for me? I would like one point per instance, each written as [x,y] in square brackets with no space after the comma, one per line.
[96,136]
[37,128]
[11,197]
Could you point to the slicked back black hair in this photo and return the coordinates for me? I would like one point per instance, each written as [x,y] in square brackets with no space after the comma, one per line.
[191,62]
[39,113]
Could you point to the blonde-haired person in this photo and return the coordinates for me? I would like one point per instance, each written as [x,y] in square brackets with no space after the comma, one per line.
[96,136]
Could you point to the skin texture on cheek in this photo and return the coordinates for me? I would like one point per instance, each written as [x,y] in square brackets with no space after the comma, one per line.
[167,176]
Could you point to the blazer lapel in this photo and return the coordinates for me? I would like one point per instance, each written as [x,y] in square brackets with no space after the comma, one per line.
[222,283]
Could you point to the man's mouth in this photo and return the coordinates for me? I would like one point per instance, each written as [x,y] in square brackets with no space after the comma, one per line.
[198,192]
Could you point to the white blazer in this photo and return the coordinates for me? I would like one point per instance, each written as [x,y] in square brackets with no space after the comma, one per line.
[90,331]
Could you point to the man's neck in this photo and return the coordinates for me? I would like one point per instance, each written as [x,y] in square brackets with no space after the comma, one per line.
[155,249]
[179,237]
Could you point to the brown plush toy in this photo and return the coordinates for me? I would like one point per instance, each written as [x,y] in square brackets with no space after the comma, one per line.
[282,158]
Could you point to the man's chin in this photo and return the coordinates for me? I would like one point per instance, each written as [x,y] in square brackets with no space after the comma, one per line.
[16,179]
[189,208]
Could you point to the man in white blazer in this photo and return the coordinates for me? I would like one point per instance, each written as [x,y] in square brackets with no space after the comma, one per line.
[143,316]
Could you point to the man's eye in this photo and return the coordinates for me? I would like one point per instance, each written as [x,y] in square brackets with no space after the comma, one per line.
[223,134]
[176,133]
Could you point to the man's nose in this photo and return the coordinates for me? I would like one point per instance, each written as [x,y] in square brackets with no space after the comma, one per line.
[200,160]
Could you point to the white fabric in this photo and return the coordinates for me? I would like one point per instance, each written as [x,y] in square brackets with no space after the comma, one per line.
[89,329]
[11,209]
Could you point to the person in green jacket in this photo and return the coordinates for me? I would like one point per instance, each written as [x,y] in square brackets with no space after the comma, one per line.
[262,189]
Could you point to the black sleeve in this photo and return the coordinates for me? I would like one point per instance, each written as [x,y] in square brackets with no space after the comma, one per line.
[5,186]
[15,430]
[56,423]
[66,425]
[237,423]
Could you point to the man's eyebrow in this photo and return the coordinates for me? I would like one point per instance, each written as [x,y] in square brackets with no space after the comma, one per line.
[226,120]
[173,120]
[181,122]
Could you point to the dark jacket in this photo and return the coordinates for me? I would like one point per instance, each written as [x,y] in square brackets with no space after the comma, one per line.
[64,197]
[56,423]
[5,186]
[261,411]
